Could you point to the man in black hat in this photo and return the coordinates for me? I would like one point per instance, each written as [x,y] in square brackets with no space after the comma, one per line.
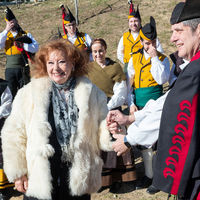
[16,49]
[130,41]
[176,169]
[177,160]
[147,69]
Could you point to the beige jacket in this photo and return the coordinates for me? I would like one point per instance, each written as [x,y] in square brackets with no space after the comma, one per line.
[25,138]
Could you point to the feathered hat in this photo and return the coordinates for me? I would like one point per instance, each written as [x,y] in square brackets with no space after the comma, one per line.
[9,14]
[69,18]
[148,31]
[133,12]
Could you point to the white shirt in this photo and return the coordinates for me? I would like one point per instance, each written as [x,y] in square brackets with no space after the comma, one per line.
[72,39]
[88,41]
[145,130]
[6,102]
[159,70]
[32,48]
[120,48]
[119,96]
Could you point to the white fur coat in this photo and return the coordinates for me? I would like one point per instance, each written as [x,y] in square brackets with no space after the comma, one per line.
[25,138]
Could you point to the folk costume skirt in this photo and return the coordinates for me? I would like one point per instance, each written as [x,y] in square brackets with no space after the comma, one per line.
[118,168]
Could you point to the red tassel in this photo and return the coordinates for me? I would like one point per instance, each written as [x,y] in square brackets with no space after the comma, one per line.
[63,17]
[131,9]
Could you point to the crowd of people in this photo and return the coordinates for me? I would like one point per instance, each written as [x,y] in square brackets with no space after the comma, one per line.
[64,131]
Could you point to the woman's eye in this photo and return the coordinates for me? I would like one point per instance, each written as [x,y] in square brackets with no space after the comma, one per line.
[50,63]
[62,61]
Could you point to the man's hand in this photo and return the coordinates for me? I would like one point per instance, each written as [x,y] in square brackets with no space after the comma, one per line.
[152,51]
[116,116]
[118,146]
[133,109]
[21,184]
[9,25]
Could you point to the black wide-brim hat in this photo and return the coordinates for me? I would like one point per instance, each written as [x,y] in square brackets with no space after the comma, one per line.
[9,14]
[148,31]
[191,10]
[176,13]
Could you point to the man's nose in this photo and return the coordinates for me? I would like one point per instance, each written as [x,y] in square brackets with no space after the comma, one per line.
[173,37]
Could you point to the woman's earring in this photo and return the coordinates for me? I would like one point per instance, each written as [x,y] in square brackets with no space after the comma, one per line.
[73,69]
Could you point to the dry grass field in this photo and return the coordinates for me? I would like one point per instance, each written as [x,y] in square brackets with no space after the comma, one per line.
[98,18]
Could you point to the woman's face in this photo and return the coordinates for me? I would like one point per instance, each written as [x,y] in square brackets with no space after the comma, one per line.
[98,53]
[58,67]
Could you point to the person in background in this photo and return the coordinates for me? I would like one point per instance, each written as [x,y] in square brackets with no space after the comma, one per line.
[107,75]
[110,78]
[6,188]
[148,69]
[17,71]
[130,41]
[52,139]
[71,33]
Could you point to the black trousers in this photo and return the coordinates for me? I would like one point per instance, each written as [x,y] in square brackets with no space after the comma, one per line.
[17,77]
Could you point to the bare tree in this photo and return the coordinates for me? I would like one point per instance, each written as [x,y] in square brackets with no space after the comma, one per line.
[76,10]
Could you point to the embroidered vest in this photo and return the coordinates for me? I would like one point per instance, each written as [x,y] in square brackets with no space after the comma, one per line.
[142,67]
[10,49]
[130,45]
[80,40]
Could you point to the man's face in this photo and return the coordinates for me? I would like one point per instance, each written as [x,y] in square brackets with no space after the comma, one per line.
[148,44]
[186,41]
[134,24]
[71,28]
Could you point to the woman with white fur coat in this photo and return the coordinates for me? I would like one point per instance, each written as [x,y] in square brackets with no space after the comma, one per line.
[53,136]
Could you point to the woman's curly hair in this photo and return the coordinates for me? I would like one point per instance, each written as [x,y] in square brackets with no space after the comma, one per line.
[78,57]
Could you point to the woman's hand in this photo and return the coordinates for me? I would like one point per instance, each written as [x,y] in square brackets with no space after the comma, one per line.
[116,116]
[21,184]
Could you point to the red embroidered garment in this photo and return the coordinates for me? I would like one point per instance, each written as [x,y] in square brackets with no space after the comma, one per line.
[177,162]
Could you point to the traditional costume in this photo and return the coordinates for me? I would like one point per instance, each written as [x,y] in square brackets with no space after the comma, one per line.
[130,41]
[6,187]
[112,80]
[176,169]
[17,69]
[147,74]
[80,40]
